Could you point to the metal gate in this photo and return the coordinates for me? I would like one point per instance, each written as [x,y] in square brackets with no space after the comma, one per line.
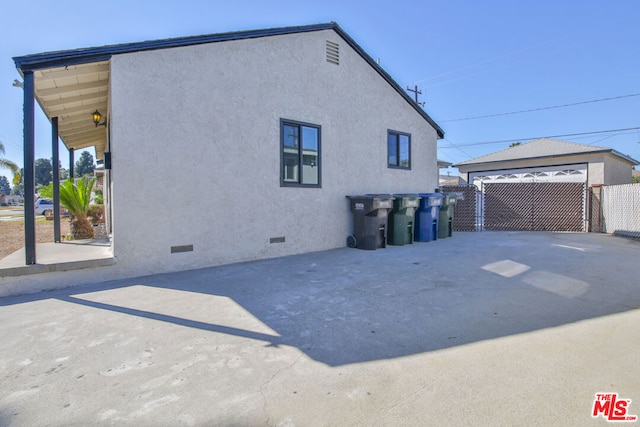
[535,206]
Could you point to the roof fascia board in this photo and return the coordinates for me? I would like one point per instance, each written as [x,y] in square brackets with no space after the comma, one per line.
[93,54]
[624,156]
[30,63]
[388,78]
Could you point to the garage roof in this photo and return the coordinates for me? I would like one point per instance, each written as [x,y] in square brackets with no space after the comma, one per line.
[72,84]
[542,148]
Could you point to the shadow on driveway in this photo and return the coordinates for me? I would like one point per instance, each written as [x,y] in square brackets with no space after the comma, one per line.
[348,306]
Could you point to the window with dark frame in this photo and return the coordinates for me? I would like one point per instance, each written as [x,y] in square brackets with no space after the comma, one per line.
[299,154]
[398,150]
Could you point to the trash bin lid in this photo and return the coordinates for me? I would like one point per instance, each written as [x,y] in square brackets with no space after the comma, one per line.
[407,200]
[431,199]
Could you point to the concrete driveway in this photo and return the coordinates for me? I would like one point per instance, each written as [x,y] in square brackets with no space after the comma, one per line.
[479,329]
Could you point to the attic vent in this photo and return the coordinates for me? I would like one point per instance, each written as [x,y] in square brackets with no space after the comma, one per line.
[333,52]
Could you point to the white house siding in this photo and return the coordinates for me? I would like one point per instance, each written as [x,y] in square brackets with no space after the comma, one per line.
[195,142]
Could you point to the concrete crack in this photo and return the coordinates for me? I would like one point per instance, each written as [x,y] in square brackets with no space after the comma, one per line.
[267,382]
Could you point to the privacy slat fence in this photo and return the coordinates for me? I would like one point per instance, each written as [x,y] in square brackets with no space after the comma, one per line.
[619,210]
[465,217]
[613,209]
[535,206]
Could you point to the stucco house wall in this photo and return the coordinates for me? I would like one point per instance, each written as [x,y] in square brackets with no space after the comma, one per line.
[195,148]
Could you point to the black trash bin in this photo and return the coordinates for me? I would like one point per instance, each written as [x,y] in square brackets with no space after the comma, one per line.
[370,216]
[427,217]
[445,221]
[401,219]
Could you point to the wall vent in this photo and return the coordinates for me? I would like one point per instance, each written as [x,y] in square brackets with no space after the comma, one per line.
[333,52]
[276,240]
[182,248]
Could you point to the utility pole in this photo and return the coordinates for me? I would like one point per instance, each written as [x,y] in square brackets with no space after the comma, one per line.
[416,92]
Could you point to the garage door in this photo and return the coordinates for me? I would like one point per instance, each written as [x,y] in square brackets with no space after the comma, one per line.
[534,206]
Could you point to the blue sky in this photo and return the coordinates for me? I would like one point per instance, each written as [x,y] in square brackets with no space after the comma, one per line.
[469,58]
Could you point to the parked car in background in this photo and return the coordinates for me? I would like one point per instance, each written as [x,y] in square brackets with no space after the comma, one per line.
[44,205]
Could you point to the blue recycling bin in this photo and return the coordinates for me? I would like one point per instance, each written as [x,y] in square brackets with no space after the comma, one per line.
[427,217]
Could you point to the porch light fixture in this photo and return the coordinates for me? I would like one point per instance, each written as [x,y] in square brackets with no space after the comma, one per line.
[97,117]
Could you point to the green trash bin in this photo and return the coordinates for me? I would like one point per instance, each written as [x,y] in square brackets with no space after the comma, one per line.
[445,219]
[401,219]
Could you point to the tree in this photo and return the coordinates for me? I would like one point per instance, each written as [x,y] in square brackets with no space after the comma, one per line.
[6,163]
[5,187]
[18,184]
[515,144]
[43,171]
[84,165]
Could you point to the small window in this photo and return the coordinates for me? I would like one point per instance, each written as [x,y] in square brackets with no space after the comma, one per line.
[398,150]
[299,154]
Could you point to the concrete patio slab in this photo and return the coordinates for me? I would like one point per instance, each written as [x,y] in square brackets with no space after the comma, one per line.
[62,256]
[479,329]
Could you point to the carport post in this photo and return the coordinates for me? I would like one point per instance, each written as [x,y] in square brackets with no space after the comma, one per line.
[56,179]
[29,169]
[70,162]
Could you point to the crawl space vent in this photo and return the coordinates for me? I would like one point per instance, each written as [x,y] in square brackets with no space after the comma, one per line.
[333,52]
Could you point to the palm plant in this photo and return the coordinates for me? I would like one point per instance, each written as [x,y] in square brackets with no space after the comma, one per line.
[6,163]
[76,198]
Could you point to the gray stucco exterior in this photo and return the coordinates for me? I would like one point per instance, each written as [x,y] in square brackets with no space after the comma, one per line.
[195,149]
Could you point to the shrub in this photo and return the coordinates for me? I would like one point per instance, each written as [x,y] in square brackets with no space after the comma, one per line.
[96,213]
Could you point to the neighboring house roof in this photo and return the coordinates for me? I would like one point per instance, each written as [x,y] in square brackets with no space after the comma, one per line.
[61,91]
[444,164]
[541,148]
[450,180]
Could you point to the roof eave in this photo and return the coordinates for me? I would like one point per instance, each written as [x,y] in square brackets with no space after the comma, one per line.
[354,45]
[96,54]
[93,54]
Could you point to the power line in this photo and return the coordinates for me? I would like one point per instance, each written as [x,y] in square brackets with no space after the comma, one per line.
[541,108]
[536,137]
[456,146]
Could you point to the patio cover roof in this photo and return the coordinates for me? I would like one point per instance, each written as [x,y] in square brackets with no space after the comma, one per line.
[72,93]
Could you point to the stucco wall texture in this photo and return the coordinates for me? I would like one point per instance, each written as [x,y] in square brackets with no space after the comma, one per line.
[195,143]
